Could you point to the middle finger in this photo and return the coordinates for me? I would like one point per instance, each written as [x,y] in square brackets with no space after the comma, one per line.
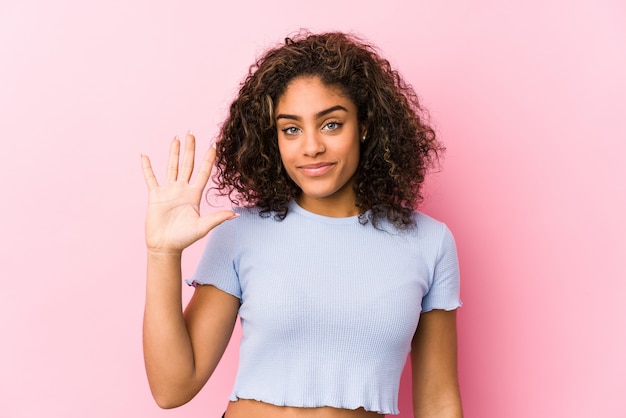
[172,162]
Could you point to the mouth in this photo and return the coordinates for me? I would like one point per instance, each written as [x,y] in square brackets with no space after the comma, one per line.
[315,170]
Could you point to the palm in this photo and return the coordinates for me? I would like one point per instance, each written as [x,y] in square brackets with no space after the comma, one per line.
[173,220]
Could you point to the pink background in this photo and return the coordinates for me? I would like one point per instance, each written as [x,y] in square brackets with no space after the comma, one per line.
[528,97]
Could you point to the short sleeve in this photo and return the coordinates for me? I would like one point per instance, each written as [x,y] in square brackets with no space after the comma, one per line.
[444,291]
[217,265]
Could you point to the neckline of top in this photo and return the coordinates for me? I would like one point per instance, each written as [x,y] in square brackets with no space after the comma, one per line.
[296,208]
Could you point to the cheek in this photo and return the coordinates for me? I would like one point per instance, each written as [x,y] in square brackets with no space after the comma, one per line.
[353,151]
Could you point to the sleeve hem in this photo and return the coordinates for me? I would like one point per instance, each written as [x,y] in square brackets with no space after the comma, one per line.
[451,307]
[194,283]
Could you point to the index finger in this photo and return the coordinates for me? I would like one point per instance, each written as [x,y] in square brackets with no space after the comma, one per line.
[204,173]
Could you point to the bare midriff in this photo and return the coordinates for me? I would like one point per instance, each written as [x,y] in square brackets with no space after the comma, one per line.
[246,408]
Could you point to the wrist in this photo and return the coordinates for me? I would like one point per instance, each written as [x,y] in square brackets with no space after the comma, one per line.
[163,267]
[164,253]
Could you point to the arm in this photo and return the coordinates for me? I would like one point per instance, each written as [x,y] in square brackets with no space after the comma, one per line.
[434,366]
[180,351]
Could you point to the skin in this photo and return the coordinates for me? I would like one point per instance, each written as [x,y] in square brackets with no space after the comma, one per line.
[172,340]
[434,366]
[319,140]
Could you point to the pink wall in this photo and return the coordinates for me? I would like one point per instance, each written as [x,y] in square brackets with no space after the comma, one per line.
[528,98]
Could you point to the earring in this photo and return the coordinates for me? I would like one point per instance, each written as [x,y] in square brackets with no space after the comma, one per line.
[363,138]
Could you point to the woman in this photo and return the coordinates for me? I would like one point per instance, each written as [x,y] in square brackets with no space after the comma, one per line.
[324,257]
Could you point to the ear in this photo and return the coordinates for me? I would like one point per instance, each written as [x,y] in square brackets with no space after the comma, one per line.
[363,135]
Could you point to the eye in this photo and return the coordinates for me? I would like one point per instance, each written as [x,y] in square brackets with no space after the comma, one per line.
[331,126]
[292,130]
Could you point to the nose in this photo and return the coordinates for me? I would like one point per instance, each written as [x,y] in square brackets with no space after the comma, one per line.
[313,144]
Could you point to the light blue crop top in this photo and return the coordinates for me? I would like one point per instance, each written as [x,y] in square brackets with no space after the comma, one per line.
[328,306]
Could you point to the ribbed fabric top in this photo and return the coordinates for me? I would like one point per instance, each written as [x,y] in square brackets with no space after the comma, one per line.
[328,306]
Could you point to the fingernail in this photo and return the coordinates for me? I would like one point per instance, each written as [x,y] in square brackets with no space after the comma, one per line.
[213,145]
[189,132]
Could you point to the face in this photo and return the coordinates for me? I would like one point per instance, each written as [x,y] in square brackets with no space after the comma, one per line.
[318,139]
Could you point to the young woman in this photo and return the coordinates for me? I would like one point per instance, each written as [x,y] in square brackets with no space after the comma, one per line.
[323,258]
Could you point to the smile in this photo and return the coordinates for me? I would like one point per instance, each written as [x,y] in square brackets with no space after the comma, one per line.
[315,170]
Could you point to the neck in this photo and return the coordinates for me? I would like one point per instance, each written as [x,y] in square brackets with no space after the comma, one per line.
[333,207]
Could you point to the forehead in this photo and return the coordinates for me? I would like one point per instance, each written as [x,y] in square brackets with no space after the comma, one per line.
[309,92]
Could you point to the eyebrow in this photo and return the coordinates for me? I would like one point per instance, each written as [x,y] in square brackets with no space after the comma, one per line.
[316,116]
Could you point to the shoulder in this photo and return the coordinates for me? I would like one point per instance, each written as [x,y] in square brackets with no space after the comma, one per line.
[433,234]
[426,224]
[229,236]
[428,235]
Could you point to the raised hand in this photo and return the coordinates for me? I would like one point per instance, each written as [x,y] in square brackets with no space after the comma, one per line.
[173,220]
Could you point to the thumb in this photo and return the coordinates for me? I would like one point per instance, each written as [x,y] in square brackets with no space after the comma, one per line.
[212,220]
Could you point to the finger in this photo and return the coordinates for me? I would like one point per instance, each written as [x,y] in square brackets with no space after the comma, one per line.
[204,173]
[148,173]
[212,220]
[172,162]
[188,157]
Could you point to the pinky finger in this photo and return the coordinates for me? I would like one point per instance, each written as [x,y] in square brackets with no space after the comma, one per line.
[148,174]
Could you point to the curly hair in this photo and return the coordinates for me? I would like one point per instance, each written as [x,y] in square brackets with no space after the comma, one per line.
[400,148]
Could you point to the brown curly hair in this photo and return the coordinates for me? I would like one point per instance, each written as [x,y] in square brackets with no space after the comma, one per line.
[400,146]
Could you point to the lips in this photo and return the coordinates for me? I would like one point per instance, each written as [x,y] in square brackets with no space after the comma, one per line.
[315,170]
